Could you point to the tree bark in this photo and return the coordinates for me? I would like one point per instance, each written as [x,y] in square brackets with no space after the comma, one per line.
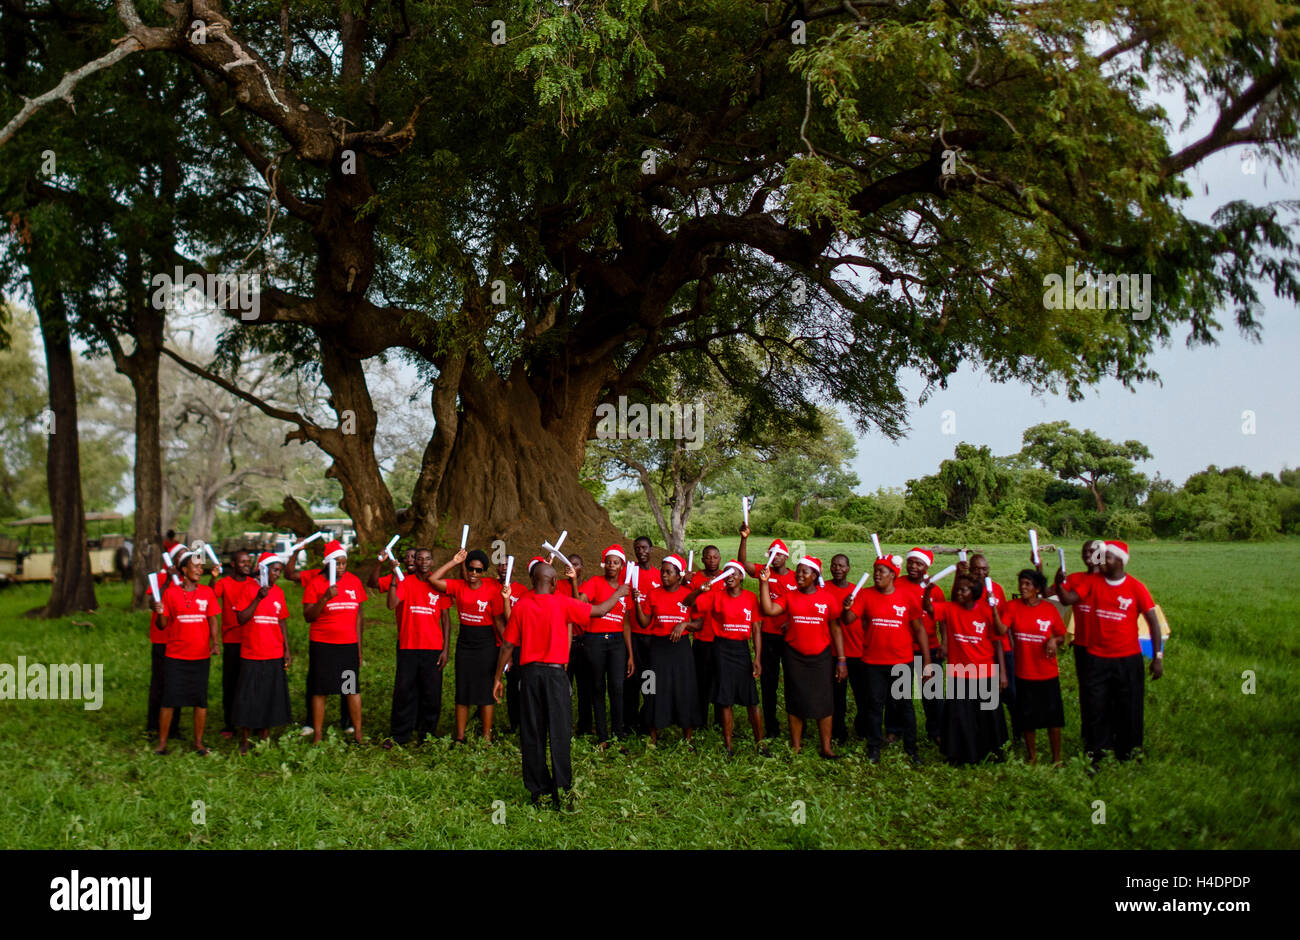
[72,588]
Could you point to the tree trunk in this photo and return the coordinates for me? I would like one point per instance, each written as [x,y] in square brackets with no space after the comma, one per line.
[511,480]
[146,552]
[1096,494]
[72,588]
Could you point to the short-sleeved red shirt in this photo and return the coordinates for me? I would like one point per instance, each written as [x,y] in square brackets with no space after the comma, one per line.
[1031,627]
[1001,595]
[732,618]
[598,590]
[419,615]
[809,625]
[666,610]
[263,638]
[476,607]
[337,622]
[1084,619]
[970,635]
[852,634]
[187,613]
[702,579]
[778,585]
[233,595]
[539,626]
[648,580]
[936,595]
[887,625]
[1116,609]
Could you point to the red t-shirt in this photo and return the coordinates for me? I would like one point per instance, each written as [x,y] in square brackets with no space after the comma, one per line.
[419,615]
[1116,608]
[666,610]
[970,635]
[731,618]
[477,608]
[1084,619]
[337,622]
[809,629]
[263,638]
[597,590]
[698,611]
[233,595]
[304,577]
[157,634]
[1002,600]
[187,613]
[539,626]
[648,580]
[936,595]
[887,625]
[778,585]
[852,634]
[1031,627]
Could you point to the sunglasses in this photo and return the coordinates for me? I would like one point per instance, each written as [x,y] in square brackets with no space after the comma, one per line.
[476,570]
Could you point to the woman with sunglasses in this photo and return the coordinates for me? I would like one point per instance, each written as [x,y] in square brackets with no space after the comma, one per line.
[480,611]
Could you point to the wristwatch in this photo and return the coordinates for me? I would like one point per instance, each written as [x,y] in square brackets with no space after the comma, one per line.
[1160,654]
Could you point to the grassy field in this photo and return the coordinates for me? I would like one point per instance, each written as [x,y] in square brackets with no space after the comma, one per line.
[1219,772]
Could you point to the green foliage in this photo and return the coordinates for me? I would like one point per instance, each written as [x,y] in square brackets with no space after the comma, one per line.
[792,530]
[849,532]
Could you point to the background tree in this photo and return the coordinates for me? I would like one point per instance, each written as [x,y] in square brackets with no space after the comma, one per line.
[1085,457]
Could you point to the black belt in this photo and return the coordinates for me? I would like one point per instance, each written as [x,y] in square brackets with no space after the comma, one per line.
[551,665]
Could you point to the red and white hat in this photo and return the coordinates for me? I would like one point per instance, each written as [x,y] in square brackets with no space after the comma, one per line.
[892,562]
[739,568]
[779,546]
[812,562]
[179,554]
[921,555]
[534,561]
[677,562]
[268,558]
[1118,549]
[617,551]
[334,550]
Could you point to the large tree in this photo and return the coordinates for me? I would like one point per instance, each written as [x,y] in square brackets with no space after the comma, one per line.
[1085,457]
[536,210]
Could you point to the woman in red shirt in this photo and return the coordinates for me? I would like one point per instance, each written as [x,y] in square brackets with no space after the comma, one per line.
[1037,632]
[971,731]
[663,611]
[189,617]
[262,695]
[335,636]
[608,646]
[480,611]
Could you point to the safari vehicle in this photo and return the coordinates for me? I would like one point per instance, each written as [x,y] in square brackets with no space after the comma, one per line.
[25,556]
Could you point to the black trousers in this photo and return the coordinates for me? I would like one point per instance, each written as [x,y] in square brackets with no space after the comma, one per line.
[703,653]
[932,707]
[606,664]
[1114,695]
[545,713]
[580,677]
[839,720]
[770,680]
[157,656]
[636,707]
[880,681]
[229,682]
[417,695]
[1082,660]
[1009,693]
[512,692]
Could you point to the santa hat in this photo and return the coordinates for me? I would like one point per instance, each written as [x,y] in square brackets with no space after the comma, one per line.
[740,569]
[920,554]
[677,562]
[175,550]
[334,550]
[815,564]
[892,562]
[1118,549]
[616,550]
[266,559]
[181,553]
[535,560]
[779,546]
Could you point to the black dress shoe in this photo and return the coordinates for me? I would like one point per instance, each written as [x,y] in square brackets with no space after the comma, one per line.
[873,755]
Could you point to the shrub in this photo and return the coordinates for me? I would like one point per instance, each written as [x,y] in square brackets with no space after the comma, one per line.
[792,530]
[825,525]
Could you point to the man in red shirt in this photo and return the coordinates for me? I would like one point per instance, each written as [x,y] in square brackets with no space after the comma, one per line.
[780,583]
[1116,685]
[892,627]
[1094,553]
[636,704]
[918,562]
[538,625]
[839,587]
[608,645]
[423,641]
[337,629]
[234,591]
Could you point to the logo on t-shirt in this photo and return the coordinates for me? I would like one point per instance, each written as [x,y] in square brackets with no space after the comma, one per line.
[746,613]
[899,611]
[350,593]
[681,607]
[1044,625]
[433,598]
[277,606]
[821,608]
[1124,602]
[482,606]
[979,626]
[203,605]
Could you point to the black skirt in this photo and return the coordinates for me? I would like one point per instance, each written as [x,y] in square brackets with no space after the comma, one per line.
[677,697]
[331,667]
[1038,705]
[476,665]
[733,674]
[970,733]
[185,682]
[809,683]
[262,696]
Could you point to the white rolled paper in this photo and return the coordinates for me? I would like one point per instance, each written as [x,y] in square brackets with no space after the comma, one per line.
[721,577]
[861,582]
[464,535]
[744,508]
[304,543]
[1033,546]
[627,574]
[333,572]
[552,549]
[690,560]
[1060,553]
[263,577]
[875,543]
[153,587]
[988,586]
[398,573]
[636,578]
[942,574]
[213,555]
[388,549]
[510,567]
[961,554]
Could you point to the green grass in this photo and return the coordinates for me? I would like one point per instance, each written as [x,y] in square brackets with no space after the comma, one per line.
[1219,772]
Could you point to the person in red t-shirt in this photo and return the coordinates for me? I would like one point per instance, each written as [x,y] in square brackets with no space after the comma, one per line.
[636,702]
[538,625]
[157,658]
[891,627]
[814,641]
[839,587]
[262,696]
[608,646]
[1038,632]
[917,563]
[189,616]
[517,591]
[664,612]
[979,570]
[302,579]
[579,670]
[973,725]
[423,642]
[337,632]
[702,639]
[781,582]
[1093,553]
[735,618]
[381,583]
[233,592]
[1116,685]
[482,622]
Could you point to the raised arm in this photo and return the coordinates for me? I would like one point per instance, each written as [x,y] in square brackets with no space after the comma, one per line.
[438,580]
